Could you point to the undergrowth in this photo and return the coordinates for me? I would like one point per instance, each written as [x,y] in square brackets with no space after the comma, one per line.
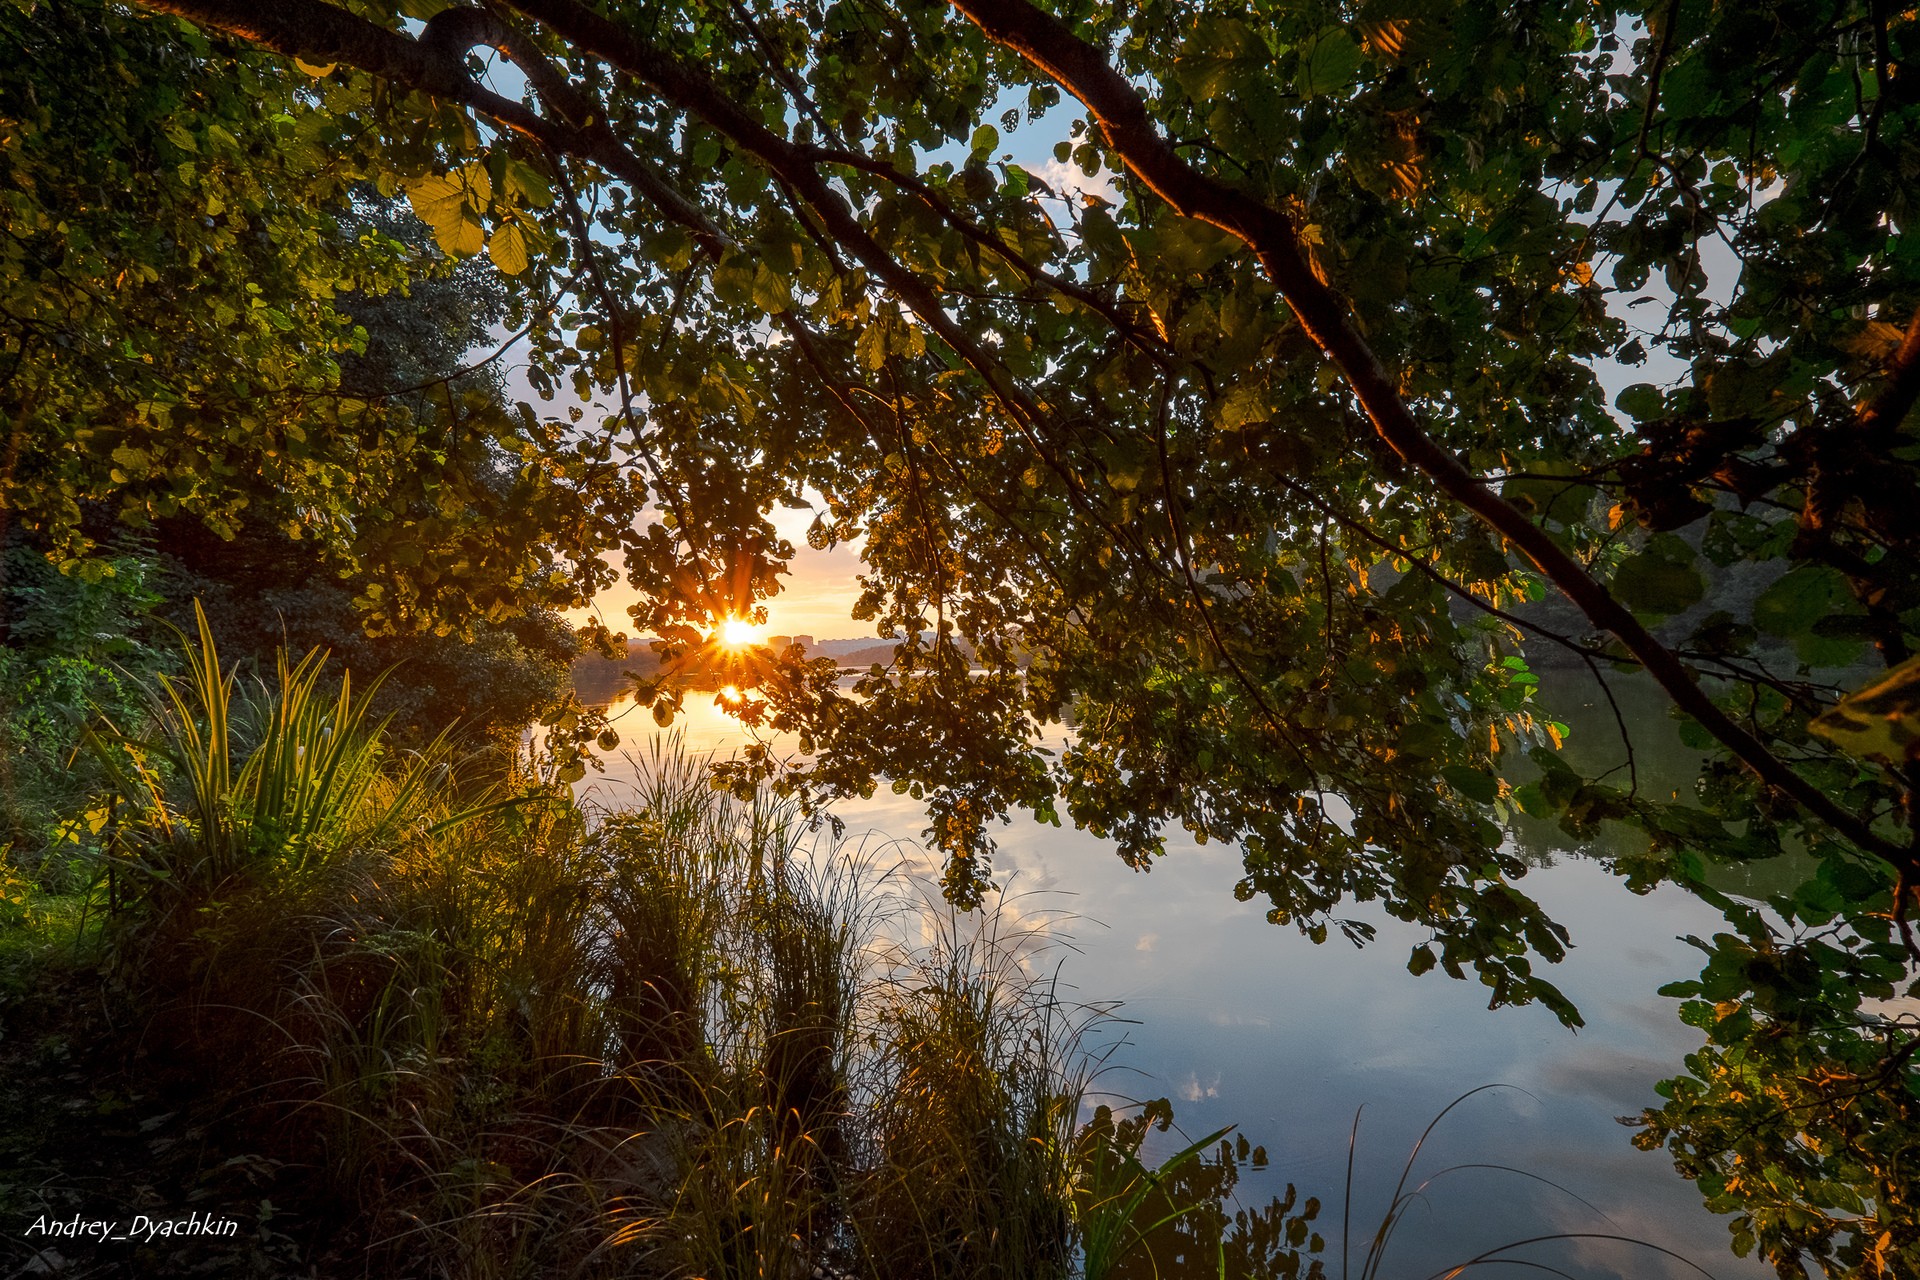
[429,1025]
[402,1014]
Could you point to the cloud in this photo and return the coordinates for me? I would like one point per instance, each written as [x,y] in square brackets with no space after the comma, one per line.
[1069,182]
[1193,1091]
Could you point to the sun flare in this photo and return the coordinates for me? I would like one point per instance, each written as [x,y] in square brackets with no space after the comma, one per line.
[738,633]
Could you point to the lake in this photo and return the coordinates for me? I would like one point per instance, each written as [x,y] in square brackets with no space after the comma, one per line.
[1245,1023]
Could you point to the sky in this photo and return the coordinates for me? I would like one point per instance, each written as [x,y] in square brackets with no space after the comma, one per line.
[816,598]
[820,587]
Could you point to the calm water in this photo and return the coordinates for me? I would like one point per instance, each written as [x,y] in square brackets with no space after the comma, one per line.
[1241,1022]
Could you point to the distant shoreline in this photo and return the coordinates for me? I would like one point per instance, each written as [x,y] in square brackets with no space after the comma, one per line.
[600,679]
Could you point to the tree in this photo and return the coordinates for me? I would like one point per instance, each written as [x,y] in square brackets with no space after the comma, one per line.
[262,590]
[1260,460]
[179,236]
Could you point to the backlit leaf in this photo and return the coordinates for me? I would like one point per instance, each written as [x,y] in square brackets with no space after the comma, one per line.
[1329,63]
[1880,721]
[507,246]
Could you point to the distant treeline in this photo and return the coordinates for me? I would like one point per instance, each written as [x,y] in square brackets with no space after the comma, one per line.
[600,679]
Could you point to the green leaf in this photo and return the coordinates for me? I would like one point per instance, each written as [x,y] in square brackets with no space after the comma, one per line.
[1532,801]
[528,184]
[437,198]
[1425,738]
[1475,784]
[1329,63]
[770,291]
[507,246]
[1547,498]
[464,238]
[1484,561]
[1799,599]
[1827,651]
[871,346]
[1245,405]
[1654,584]
[1880,721]
[1642,402]
[447,203]
[1219,54]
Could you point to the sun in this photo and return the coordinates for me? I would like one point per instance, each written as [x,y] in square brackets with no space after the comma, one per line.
[738,633]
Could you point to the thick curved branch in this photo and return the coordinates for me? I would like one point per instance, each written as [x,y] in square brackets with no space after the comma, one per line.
[434,64]
[1147,343]
[322,32]
[1118,109]
[688,88]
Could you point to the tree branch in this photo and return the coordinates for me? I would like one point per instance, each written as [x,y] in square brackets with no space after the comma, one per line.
[1121,114]
[321,33]
[1148,344]
[317,31]
[688,88]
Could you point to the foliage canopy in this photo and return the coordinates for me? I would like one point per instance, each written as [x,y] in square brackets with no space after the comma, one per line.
[185,237]
[1260,457]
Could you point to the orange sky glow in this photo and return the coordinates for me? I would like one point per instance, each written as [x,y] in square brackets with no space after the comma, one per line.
[816,598]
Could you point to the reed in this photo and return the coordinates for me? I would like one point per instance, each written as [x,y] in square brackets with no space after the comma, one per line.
[510,1038]
[1118,1199]
[1506,1255]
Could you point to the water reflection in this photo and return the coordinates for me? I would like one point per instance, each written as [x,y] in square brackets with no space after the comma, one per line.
[1244,1023]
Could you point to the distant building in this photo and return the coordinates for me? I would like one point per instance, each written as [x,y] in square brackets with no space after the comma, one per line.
[777,643]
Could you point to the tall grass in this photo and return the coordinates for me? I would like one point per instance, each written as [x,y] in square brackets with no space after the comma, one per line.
[695,1037]
[970,1105]
[1505,1255]
[242,815]
[314,779]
